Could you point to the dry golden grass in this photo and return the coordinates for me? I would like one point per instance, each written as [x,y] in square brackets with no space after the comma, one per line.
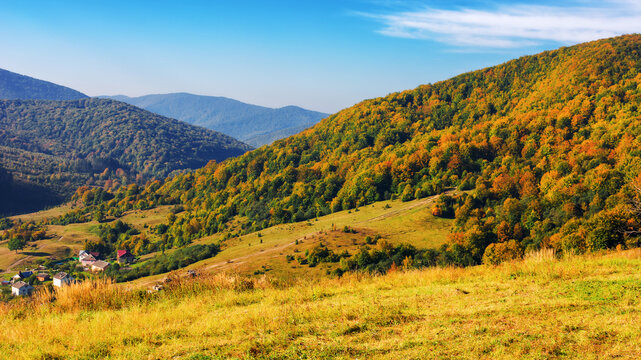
[585,307]
[398,222]
[541,255]
[43,214]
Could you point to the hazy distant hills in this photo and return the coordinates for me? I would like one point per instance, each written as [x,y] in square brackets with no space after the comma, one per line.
[16,86]
[60,145]
[255,125]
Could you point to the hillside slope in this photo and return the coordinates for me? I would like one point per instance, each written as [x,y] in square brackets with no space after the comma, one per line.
[16,86]
[256,125]
[64,144]
[548,143]
[270,250]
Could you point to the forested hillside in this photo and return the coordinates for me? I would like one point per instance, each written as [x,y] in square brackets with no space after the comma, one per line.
[255,125]
[548,143]
[61,145]
[16,86]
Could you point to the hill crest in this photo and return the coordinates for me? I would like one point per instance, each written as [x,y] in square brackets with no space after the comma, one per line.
[16,86]
[254,124]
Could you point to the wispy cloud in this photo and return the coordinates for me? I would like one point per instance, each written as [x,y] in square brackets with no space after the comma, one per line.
[511,26]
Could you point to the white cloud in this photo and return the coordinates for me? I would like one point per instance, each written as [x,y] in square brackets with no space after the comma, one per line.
[510,26]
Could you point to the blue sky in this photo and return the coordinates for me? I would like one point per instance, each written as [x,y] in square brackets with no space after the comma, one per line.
[322,55]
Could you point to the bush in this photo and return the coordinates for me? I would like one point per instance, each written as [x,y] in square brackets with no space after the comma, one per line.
[379,261]
[321,254]
[605,230]
[349,230]
[499,252]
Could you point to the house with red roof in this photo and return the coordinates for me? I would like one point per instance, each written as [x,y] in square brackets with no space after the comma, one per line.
[125,257]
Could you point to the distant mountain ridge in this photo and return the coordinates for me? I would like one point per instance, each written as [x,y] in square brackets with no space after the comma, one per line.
[15,86]
[253,124]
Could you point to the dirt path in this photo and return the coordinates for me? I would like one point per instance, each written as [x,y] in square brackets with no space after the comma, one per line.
[18,262]
[423,202]
[238,260]
[47,249]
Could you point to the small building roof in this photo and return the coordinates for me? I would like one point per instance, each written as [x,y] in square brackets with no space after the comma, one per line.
[100,264]
[61,275]
[23,274]
[87,257]
[19,284]
[124,253]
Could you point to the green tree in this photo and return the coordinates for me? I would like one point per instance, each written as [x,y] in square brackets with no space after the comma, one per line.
[605,230]
[99,216]
[17,243]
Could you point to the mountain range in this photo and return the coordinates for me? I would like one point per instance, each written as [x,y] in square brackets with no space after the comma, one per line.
[252,124]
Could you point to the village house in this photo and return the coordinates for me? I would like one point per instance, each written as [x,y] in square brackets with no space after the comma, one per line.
[42,277]
[95,254]
[125,257]
[21,288]
[99,266]
[61,279]
[86,259]
[22,275]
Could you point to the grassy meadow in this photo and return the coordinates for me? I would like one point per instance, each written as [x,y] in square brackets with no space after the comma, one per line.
[266,250]
[584,307]
[396,221]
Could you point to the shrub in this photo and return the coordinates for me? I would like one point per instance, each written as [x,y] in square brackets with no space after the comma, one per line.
[505,251]
[605,230]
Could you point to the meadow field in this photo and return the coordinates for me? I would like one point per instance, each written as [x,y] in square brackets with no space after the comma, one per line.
[584,307]
[394,220]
